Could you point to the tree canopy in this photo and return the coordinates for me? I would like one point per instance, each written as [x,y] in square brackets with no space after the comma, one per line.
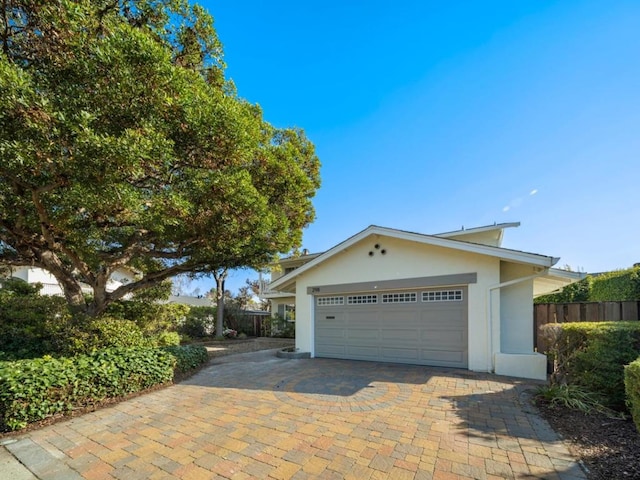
[122,145]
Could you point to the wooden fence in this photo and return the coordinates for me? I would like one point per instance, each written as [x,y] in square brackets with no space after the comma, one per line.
[581,312]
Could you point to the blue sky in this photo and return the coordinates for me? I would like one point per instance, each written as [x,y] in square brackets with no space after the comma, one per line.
[431,115]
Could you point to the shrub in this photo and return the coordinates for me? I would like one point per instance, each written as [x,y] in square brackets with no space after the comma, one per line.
[632,387]
[104,332]
[188,357]
[621,285]
[31,325]
[280,327]
[167,339]
[593,355]
[32,390]
[151,318]
[199,322]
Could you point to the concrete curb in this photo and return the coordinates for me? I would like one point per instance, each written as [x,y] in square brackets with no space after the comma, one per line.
[10,467]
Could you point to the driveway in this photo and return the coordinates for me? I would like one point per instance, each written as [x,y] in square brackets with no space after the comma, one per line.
[258,416]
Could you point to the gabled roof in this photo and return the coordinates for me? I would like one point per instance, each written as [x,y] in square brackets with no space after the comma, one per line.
[498,252]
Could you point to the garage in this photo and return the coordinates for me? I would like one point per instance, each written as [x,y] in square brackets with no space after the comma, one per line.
[426,326]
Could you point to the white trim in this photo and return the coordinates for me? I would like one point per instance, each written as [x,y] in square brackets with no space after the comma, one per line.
[471,231]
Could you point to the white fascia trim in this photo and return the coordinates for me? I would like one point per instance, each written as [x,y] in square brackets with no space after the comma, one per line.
[557,272]
[487,228]
[502,253]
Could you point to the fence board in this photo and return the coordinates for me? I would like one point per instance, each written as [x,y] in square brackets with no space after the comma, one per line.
[592,312]
[611,311]
[630,311]
[573,312]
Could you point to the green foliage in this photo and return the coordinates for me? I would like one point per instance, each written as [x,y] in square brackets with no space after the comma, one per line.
[151,318]
[188,357]
[280,327]
[168,339]
[121,145]
[199,322]
[593,355]
[632,388]
[104,332]
[32,390]
[618,286]
[31,325]
[621,285]
[575,397]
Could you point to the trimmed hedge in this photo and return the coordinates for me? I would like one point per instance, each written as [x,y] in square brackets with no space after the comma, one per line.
[622,285]
[32,390]
[632,387]
[593,355]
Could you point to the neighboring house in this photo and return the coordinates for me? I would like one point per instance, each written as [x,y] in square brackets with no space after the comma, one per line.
[456,299]
[50,285]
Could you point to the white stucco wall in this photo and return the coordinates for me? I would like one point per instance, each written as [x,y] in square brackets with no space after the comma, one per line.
[405,259]
[516,309]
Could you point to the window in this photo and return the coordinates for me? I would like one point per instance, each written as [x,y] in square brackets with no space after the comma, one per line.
[442,296]
[360,299]
[408,297]
[325,301]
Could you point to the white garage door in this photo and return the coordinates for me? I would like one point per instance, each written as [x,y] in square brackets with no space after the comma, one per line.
[421,326]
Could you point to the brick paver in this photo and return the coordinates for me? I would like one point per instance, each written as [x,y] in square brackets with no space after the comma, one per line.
[258,416]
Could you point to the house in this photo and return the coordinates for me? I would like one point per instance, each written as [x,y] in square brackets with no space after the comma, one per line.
[50,285]
[455,299]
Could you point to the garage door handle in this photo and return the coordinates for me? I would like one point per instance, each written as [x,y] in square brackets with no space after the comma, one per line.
[330,318]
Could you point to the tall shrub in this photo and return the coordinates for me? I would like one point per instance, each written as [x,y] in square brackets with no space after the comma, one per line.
[632,387]
[618,286]
[593,355]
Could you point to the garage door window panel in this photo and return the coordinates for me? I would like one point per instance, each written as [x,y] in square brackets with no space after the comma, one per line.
[403,297]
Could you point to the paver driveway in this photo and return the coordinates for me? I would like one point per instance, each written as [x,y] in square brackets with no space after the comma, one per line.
[257,416]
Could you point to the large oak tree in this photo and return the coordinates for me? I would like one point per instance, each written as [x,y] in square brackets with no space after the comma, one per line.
[122,145]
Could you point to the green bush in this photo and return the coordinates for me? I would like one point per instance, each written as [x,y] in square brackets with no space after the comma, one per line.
[151,318]
[632,388]
[188,357]
[593,355]
[168,339]
[198,322]
[619,286]
[32,390]
[31,325]
[104,332]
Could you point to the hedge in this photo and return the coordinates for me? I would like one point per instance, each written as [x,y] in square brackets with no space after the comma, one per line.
[632,387]
[593,355]
[32,390]
[188,357]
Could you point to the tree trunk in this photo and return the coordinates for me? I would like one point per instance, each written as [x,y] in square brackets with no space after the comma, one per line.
[220,277]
